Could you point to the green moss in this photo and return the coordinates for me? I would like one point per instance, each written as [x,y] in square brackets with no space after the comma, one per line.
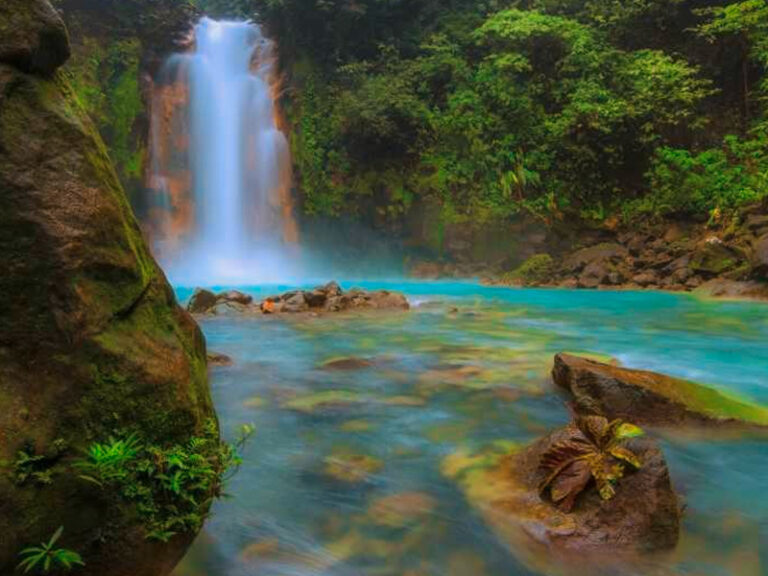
[715,403]
[105,80]
[537,269]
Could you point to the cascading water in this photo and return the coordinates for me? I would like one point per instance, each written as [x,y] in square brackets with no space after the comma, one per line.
[217,148]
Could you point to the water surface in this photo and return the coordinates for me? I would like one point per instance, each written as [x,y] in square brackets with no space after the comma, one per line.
[466,367]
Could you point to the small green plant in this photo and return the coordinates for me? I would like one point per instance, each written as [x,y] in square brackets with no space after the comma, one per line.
[29,466]
[44,558]
[172,487]
[592,450]
[108,462]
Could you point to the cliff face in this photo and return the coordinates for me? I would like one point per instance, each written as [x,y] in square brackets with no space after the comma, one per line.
[118,48]
[92,341]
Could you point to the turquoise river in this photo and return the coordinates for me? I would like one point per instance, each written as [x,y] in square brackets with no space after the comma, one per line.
[355,416]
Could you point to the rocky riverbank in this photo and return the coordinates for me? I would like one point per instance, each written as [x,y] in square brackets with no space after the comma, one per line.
[728,259]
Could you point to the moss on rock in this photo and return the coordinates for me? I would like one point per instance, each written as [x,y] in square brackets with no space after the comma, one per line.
[92,341]
[537,269]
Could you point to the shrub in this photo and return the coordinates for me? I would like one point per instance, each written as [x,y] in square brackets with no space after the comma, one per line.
[536,270]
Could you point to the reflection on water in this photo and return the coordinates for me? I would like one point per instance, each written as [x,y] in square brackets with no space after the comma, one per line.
[354,416]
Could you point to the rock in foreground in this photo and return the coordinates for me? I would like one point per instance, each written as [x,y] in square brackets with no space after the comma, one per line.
[322,299]
[649,398]
[92,341]
[503,484]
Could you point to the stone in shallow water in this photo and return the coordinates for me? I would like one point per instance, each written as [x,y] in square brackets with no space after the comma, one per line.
[401,510]
[650,398]
[320,401]
[502,482]
[351,468]
[254,402]
[347,363]
[218,359]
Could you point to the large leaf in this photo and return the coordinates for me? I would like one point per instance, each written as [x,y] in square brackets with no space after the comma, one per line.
[595,428]
[570,483]
[559,456]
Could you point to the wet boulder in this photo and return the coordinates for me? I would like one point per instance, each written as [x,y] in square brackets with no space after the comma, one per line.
[201,302]
[503,483]
[648,397]
[205,302]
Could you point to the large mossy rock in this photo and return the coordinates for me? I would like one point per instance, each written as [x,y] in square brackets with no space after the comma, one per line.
[650,398]
[92,341]
[502,483]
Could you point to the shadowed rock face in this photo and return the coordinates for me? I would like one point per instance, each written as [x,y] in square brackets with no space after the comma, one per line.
[32,36]
[648,397]
[92,341]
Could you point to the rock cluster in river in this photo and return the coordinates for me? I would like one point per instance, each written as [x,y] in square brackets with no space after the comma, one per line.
[92,341]
[329,298]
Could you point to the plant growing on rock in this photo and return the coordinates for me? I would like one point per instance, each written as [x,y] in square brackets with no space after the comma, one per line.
[592,449]
[172,487]
[45,557]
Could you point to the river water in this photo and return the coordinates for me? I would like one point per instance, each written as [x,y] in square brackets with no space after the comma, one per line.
[355,416]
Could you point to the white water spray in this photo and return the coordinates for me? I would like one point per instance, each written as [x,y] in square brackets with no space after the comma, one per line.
[240,229]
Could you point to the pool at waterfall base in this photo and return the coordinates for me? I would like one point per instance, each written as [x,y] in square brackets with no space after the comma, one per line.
[356,415]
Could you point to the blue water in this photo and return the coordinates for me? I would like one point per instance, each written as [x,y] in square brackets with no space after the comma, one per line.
[471,364]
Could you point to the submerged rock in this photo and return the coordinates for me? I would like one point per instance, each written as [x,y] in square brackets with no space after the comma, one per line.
[649,398]
[351,468]
[92,340]
[503,482]
[219,359]
[322,299]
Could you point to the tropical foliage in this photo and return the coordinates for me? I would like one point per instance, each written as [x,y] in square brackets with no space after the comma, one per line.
[45,558]
[548,107]
[172,487]
[592,449]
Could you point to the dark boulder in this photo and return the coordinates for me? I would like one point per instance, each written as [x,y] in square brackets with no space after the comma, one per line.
[602,253]
[33,38]
[202,301]
[760,257]
[713,257]
[648,397]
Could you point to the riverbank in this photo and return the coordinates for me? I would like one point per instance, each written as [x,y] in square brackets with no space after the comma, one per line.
[726,259]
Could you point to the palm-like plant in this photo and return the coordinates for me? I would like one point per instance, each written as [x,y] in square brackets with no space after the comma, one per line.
[593,449]
[45,557]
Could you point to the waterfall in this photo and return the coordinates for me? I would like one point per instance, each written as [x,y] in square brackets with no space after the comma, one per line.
[221,168]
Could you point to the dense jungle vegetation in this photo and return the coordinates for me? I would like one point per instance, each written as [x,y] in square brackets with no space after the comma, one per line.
[608,109]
